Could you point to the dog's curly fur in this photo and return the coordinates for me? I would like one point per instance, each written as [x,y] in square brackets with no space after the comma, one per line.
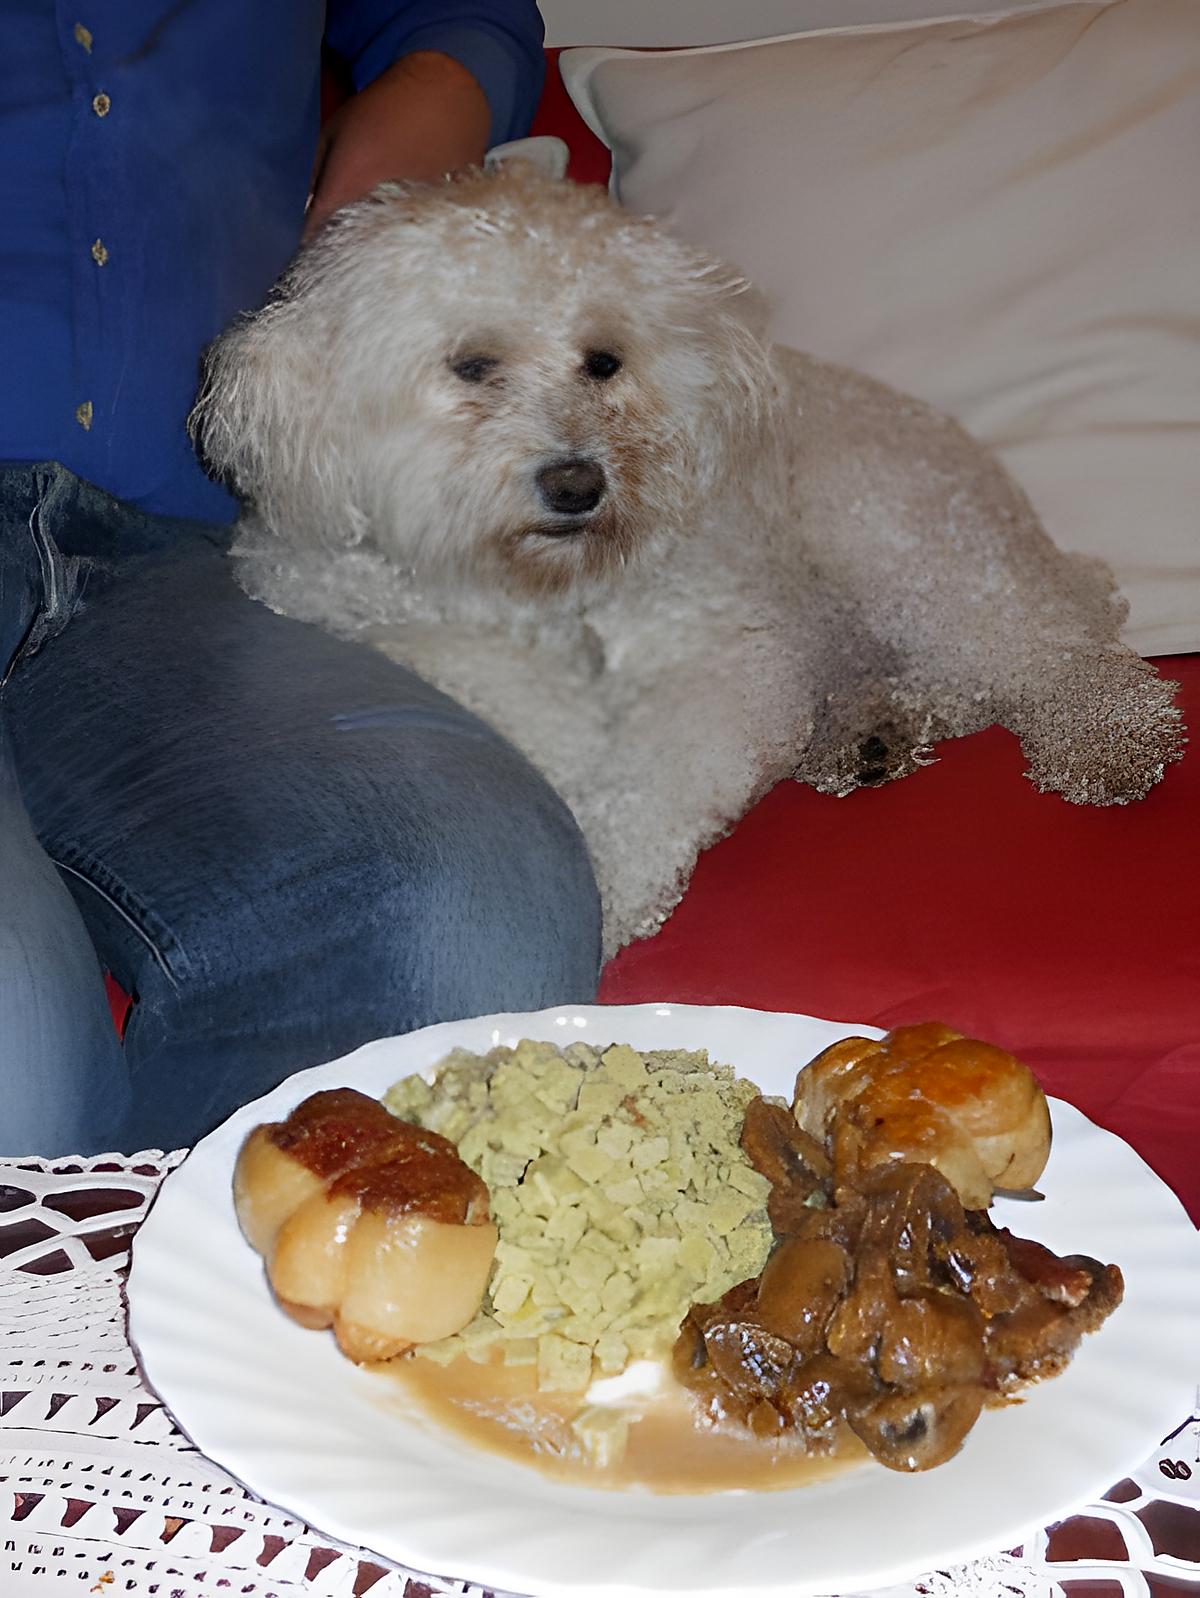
[790,569]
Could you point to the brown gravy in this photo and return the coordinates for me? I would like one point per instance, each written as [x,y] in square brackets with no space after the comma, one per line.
[672,1447]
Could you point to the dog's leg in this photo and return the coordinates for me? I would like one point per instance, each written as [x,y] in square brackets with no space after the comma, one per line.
[692,749]
[642,858]
[1099,725]
[1030,640]
[964,599]
[1035,647]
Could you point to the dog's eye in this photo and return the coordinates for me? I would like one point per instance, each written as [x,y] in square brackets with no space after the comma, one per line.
[474,368]
[601,364]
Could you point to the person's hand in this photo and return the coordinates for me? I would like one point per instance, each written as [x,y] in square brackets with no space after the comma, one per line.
[422,118]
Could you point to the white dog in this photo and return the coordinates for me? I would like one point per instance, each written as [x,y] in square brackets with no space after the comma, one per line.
[537,448]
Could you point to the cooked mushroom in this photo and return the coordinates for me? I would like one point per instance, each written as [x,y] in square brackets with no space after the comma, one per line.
[800,1286]
[917,1430]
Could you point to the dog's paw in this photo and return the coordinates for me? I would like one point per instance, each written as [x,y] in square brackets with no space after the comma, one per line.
[890,752]
[1106,737]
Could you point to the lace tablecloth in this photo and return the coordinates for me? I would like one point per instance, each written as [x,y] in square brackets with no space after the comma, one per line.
[102,1495]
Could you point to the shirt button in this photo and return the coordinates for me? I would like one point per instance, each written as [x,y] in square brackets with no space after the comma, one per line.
[100,253]
[101,105]
[83,415]
[83,37]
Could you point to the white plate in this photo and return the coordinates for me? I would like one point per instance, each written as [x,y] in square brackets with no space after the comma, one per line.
[282,1411]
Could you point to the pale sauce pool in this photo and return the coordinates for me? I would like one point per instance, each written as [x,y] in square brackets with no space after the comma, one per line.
[671,1449]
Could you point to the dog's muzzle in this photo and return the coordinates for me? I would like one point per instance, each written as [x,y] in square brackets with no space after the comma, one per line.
[571,487]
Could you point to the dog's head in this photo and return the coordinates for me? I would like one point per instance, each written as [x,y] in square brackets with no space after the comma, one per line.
[505,375]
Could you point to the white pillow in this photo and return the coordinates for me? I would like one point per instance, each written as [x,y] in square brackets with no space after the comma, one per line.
[1001,215]
[670,23]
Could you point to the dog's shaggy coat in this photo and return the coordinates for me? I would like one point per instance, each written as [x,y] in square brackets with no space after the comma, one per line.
[539,450]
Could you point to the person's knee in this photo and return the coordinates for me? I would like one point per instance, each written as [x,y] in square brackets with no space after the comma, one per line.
[453,882]
[502,912]
[487,903]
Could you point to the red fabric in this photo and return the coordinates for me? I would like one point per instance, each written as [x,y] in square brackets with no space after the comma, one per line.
[119,1003]
[590,160]
[1068,934]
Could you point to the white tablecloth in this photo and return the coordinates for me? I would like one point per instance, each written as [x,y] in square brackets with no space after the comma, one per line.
[101,1494]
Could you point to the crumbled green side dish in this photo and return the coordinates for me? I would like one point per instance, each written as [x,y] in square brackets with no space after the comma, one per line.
[620,1192]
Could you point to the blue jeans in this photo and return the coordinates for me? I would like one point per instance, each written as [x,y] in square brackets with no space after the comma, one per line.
[283,844]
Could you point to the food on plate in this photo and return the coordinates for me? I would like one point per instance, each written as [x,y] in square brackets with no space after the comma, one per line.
[928,1094]
[633,1268]
[620,1189]
[885,1305]
[368,1225]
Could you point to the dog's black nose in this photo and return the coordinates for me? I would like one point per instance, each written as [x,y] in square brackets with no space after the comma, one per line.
[571,487]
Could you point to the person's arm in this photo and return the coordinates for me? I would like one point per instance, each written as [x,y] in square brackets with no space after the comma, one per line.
[438,82]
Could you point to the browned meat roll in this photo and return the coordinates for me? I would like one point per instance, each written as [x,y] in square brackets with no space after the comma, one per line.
[367,1224]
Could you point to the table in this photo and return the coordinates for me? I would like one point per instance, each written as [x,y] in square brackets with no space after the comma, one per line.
[102,1495]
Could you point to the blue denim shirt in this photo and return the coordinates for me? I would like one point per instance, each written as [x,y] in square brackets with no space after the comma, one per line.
[154,164]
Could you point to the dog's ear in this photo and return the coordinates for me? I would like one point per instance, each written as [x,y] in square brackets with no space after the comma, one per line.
[545,154]
[748,305]
[741,396]
[266,423]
